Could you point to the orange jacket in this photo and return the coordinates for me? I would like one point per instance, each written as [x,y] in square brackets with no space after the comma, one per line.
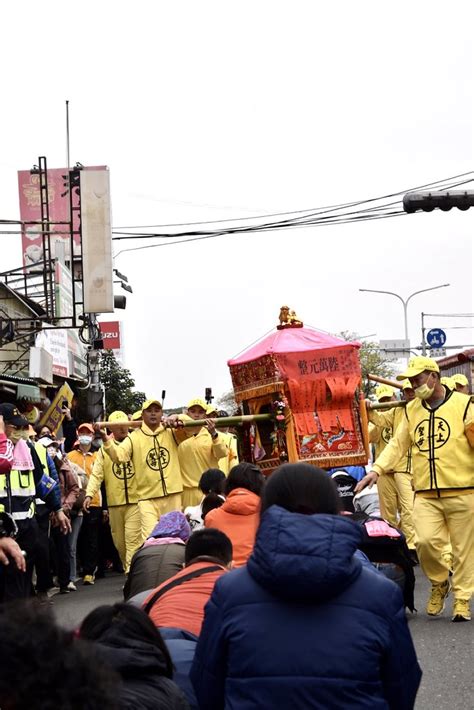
[238,518]
[86,462]
[183,606]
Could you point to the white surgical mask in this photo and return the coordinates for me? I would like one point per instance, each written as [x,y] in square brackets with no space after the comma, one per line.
[85,440]
[424,391]
[16,435]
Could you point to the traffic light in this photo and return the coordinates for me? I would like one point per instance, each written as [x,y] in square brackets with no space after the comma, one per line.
[439,199]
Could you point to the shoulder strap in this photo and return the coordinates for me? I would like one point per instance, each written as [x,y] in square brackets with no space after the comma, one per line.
[176,582]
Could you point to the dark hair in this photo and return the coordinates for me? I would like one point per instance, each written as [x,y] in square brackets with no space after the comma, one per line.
[301,488]
[211,501]
[39,428]
[245,475]
[212,481]
[136,626]
[208,542]
[45,666]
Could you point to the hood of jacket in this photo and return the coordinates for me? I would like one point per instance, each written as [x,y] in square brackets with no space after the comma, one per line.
[241,501]
[131,657]
[305,557]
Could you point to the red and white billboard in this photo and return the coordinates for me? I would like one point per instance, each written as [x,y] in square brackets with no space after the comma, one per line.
[30,212]
[110,333]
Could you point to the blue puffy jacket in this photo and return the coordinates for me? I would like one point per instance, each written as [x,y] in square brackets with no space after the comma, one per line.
[305,625]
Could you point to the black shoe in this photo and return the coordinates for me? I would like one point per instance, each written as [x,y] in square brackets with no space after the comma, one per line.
[413,557]
[64,590]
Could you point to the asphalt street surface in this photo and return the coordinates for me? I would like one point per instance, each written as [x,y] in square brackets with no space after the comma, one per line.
[445,650]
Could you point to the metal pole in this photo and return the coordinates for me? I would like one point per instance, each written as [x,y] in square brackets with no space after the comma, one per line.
[423,341]
[67,136]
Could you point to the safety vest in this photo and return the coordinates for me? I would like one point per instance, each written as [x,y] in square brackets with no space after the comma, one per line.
[41,451]
[17,494]
[441,455]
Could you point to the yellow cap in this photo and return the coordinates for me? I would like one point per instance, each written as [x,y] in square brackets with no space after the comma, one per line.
[384,391]
[149,402]
[460,379]
[406,385]
[418,364]
[198,403]
[118,417]
[137,415]
[449,382]
[211,409]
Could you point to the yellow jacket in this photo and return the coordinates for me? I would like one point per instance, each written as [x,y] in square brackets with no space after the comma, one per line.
[442,457]
[198,453]
[385,422]
[86,462]
[119,478]
[154,455]
[232,458]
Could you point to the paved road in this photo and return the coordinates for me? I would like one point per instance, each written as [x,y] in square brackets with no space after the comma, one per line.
[445,650]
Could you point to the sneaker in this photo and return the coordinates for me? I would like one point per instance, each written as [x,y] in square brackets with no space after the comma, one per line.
[88,579]
[72,587]
[64,590]
[438,595]
[51,592]
[461,610]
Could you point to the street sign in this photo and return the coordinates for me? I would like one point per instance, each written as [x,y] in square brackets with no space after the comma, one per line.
[438,352]
[395,349]
[436,338]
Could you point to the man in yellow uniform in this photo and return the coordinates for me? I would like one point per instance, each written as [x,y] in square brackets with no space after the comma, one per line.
[439,425]
[201,451]
[122,496]
[153,450]
[395,489]
[232,458]
[461,383]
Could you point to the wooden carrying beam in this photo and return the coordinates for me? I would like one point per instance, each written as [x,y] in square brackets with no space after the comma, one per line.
[383,381]
[222,422]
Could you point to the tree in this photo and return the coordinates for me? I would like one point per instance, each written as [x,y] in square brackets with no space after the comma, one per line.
[227,402]
[371,361]
[118,384]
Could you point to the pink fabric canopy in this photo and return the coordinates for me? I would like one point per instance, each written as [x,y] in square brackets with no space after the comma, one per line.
[290,340]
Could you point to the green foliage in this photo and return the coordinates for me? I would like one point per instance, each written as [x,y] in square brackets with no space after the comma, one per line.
[119,385]
[371,361]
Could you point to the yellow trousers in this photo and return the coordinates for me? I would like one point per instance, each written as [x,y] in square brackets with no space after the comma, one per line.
[191,496]
[126,532]
[152,510]
[396,503]
[436,521]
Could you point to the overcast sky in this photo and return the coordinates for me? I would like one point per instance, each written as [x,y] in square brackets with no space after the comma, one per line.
[212,110]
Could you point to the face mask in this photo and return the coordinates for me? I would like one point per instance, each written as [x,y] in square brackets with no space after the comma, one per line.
[85,440]
[424,391]
[16,435]
[25,434]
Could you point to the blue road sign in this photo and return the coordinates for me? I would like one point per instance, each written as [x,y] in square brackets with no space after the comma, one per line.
[436,338]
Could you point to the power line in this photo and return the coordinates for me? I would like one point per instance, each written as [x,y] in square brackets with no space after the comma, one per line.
[280,214]
[362,218]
